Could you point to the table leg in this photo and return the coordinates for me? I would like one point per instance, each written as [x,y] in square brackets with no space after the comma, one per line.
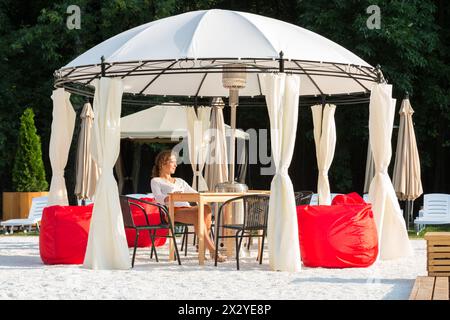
[201,232]
[172,219]
[229,242]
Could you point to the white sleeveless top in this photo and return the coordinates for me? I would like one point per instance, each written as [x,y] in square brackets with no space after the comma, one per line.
[161,188]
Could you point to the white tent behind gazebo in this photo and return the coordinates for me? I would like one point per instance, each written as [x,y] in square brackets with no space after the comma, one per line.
[164,121]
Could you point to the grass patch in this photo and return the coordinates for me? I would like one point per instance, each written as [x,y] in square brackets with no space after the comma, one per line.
[413,235]
[435,228]
[440,228]
[20,234]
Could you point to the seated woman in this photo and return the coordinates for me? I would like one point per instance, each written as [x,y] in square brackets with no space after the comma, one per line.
[163,183]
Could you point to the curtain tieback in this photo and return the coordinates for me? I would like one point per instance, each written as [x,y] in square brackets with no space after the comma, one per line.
[323,173]
[283,171]
[58,172]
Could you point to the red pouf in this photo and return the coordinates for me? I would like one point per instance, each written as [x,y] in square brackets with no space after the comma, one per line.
[351,198]
[342,235]
[64,234]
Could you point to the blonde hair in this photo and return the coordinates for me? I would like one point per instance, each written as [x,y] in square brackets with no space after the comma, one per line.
[161,159]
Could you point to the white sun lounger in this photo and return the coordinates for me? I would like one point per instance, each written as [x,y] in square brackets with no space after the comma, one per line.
[86,202]
[436,210]
[34,216]
[140,195]
[315,198]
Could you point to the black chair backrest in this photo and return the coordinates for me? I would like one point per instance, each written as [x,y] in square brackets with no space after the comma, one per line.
[256,210]
[126,212]
[303,197]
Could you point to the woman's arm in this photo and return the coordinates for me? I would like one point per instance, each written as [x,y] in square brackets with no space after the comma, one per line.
[157,193]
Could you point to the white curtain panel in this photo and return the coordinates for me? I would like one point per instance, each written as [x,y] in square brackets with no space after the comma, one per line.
[282,93]
[370,169]
[198,125]
[325,140]
[61,137]
[107,247]
[392,233]
[216,170]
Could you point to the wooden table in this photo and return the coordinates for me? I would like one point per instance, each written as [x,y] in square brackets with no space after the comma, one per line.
[201,199]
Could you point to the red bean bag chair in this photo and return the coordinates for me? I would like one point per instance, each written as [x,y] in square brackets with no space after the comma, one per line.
[64,234]
[342,235]
[139,219]
[351,198]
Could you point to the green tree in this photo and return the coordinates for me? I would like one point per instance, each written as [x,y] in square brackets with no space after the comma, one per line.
[28,173]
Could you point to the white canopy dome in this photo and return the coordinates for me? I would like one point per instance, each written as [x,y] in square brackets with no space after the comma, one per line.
[166,121]
[184,55]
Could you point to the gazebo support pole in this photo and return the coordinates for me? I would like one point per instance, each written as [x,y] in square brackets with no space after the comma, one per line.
[103,66]
[281,62]
[234,96]
[379,76]
[323,108]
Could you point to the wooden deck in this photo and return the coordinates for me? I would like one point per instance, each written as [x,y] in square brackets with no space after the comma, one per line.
[430,288]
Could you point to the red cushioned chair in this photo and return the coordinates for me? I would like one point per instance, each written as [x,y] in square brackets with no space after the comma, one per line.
[342,235]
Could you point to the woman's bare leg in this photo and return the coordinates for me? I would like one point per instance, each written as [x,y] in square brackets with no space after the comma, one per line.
[189,215]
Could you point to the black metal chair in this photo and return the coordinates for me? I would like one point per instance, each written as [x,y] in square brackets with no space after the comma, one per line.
[256,212]
[165,223]
[303,197]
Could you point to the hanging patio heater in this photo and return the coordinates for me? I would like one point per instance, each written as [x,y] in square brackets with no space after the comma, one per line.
[234,78]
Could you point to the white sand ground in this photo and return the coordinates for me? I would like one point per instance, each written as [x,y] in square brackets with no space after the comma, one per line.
[24,276]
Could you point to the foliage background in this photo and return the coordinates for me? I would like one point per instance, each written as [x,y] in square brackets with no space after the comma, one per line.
[28,173]
[412,46]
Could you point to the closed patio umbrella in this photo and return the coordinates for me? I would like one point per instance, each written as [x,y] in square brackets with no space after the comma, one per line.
[198,124]
[87,172]
[216,170]
[406,179]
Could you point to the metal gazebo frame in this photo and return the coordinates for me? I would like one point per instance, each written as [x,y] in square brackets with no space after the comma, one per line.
[78,79]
